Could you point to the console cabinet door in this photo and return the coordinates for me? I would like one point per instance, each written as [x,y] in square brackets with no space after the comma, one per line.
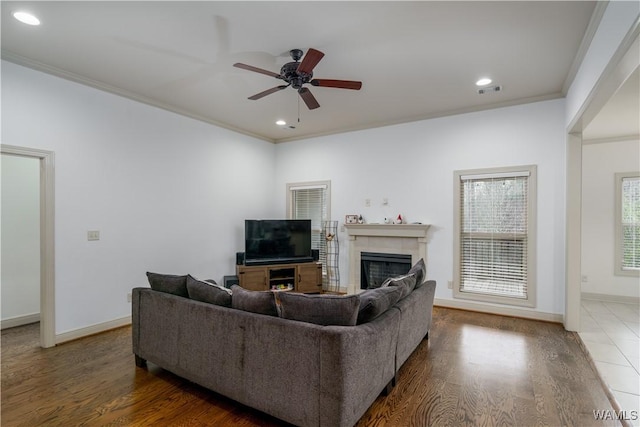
[309,278]
[252,278]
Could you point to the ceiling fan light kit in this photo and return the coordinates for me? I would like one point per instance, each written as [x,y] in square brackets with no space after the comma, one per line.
[296,74]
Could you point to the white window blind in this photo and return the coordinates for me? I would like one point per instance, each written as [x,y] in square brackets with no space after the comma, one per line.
[494,238]
[310,203]
[630,223]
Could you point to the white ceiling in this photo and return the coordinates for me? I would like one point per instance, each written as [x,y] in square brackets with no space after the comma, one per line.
[416,59]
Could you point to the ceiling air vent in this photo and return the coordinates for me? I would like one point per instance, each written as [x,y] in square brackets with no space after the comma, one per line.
[490,89]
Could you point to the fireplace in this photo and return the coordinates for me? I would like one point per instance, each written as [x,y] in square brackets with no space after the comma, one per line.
[375,268]
[402,239]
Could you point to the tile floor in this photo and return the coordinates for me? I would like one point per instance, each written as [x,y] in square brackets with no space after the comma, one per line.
[611,333]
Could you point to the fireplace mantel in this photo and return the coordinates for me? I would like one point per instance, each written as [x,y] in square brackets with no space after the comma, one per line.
[387,230]
[410,239]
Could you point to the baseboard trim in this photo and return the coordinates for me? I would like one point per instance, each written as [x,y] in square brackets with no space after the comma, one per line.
[502,311]
[92,330]
[610,298]
[19,321]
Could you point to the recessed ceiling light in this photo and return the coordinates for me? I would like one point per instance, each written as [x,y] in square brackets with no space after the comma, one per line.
[281,122]
[26,18]
[483,82]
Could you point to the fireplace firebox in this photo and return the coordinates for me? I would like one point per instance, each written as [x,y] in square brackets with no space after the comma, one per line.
[375,268]
[410,239]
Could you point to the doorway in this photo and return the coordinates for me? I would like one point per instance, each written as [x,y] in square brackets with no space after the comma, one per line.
[46,246]
[621,67]
[598,144]
[20,240]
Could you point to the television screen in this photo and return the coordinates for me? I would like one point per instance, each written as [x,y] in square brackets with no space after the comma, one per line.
[277,240]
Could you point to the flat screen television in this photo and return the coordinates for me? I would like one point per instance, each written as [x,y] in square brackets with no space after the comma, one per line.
[277,241]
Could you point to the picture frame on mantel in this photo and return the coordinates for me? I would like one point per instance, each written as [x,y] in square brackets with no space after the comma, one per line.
[351,219]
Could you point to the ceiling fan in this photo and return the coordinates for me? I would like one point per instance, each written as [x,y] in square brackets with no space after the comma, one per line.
[296,74]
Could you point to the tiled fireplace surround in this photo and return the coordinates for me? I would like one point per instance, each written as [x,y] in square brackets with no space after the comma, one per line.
[408,239]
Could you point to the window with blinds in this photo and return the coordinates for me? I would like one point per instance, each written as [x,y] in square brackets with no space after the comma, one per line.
[311,201]
[494,236]
[628,224]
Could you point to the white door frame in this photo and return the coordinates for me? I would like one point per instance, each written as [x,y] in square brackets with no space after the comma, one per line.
[622,64]
[47,254]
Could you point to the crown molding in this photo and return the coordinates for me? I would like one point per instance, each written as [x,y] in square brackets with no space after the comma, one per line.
[620,138]
[67,75]
[449,113]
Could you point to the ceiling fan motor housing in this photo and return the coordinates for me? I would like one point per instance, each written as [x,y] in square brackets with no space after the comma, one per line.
[290,74]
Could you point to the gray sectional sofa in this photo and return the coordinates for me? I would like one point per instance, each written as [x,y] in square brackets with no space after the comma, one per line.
[308,374]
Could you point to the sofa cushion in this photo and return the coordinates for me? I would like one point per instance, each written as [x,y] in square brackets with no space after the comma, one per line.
[261,302]
[208,291]
[420,270]
[169,283]
[406,283]
[319,309]
[374,302]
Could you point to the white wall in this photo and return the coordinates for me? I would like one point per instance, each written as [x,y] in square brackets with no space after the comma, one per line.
[412,165]
[20,237]
[168,194]
[600,163]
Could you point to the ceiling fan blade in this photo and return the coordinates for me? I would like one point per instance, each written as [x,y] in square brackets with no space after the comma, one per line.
[257,70]
[340,84]
[309,61]
[267,92]
[308,98]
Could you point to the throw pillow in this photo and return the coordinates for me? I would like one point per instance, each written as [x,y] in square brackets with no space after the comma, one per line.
[374,302]
[261,302]
[208,291]
[407,283]
[420,270]
[176,285]
[319,309]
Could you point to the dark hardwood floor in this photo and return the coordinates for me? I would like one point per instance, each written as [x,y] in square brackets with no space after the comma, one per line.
[475,370]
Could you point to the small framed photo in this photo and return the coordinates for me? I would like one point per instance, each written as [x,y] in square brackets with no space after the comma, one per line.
[351,219]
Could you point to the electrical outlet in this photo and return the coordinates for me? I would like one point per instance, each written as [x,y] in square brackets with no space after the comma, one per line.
[585,279]
[93,235]
[450,284]
[367,203]
[129,297]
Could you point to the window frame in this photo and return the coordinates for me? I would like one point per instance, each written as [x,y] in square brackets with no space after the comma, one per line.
[618,269]
[531,171]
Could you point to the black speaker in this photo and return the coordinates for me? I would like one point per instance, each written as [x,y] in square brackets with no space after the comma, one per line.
[229,281]
[315,253]
[239,258]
